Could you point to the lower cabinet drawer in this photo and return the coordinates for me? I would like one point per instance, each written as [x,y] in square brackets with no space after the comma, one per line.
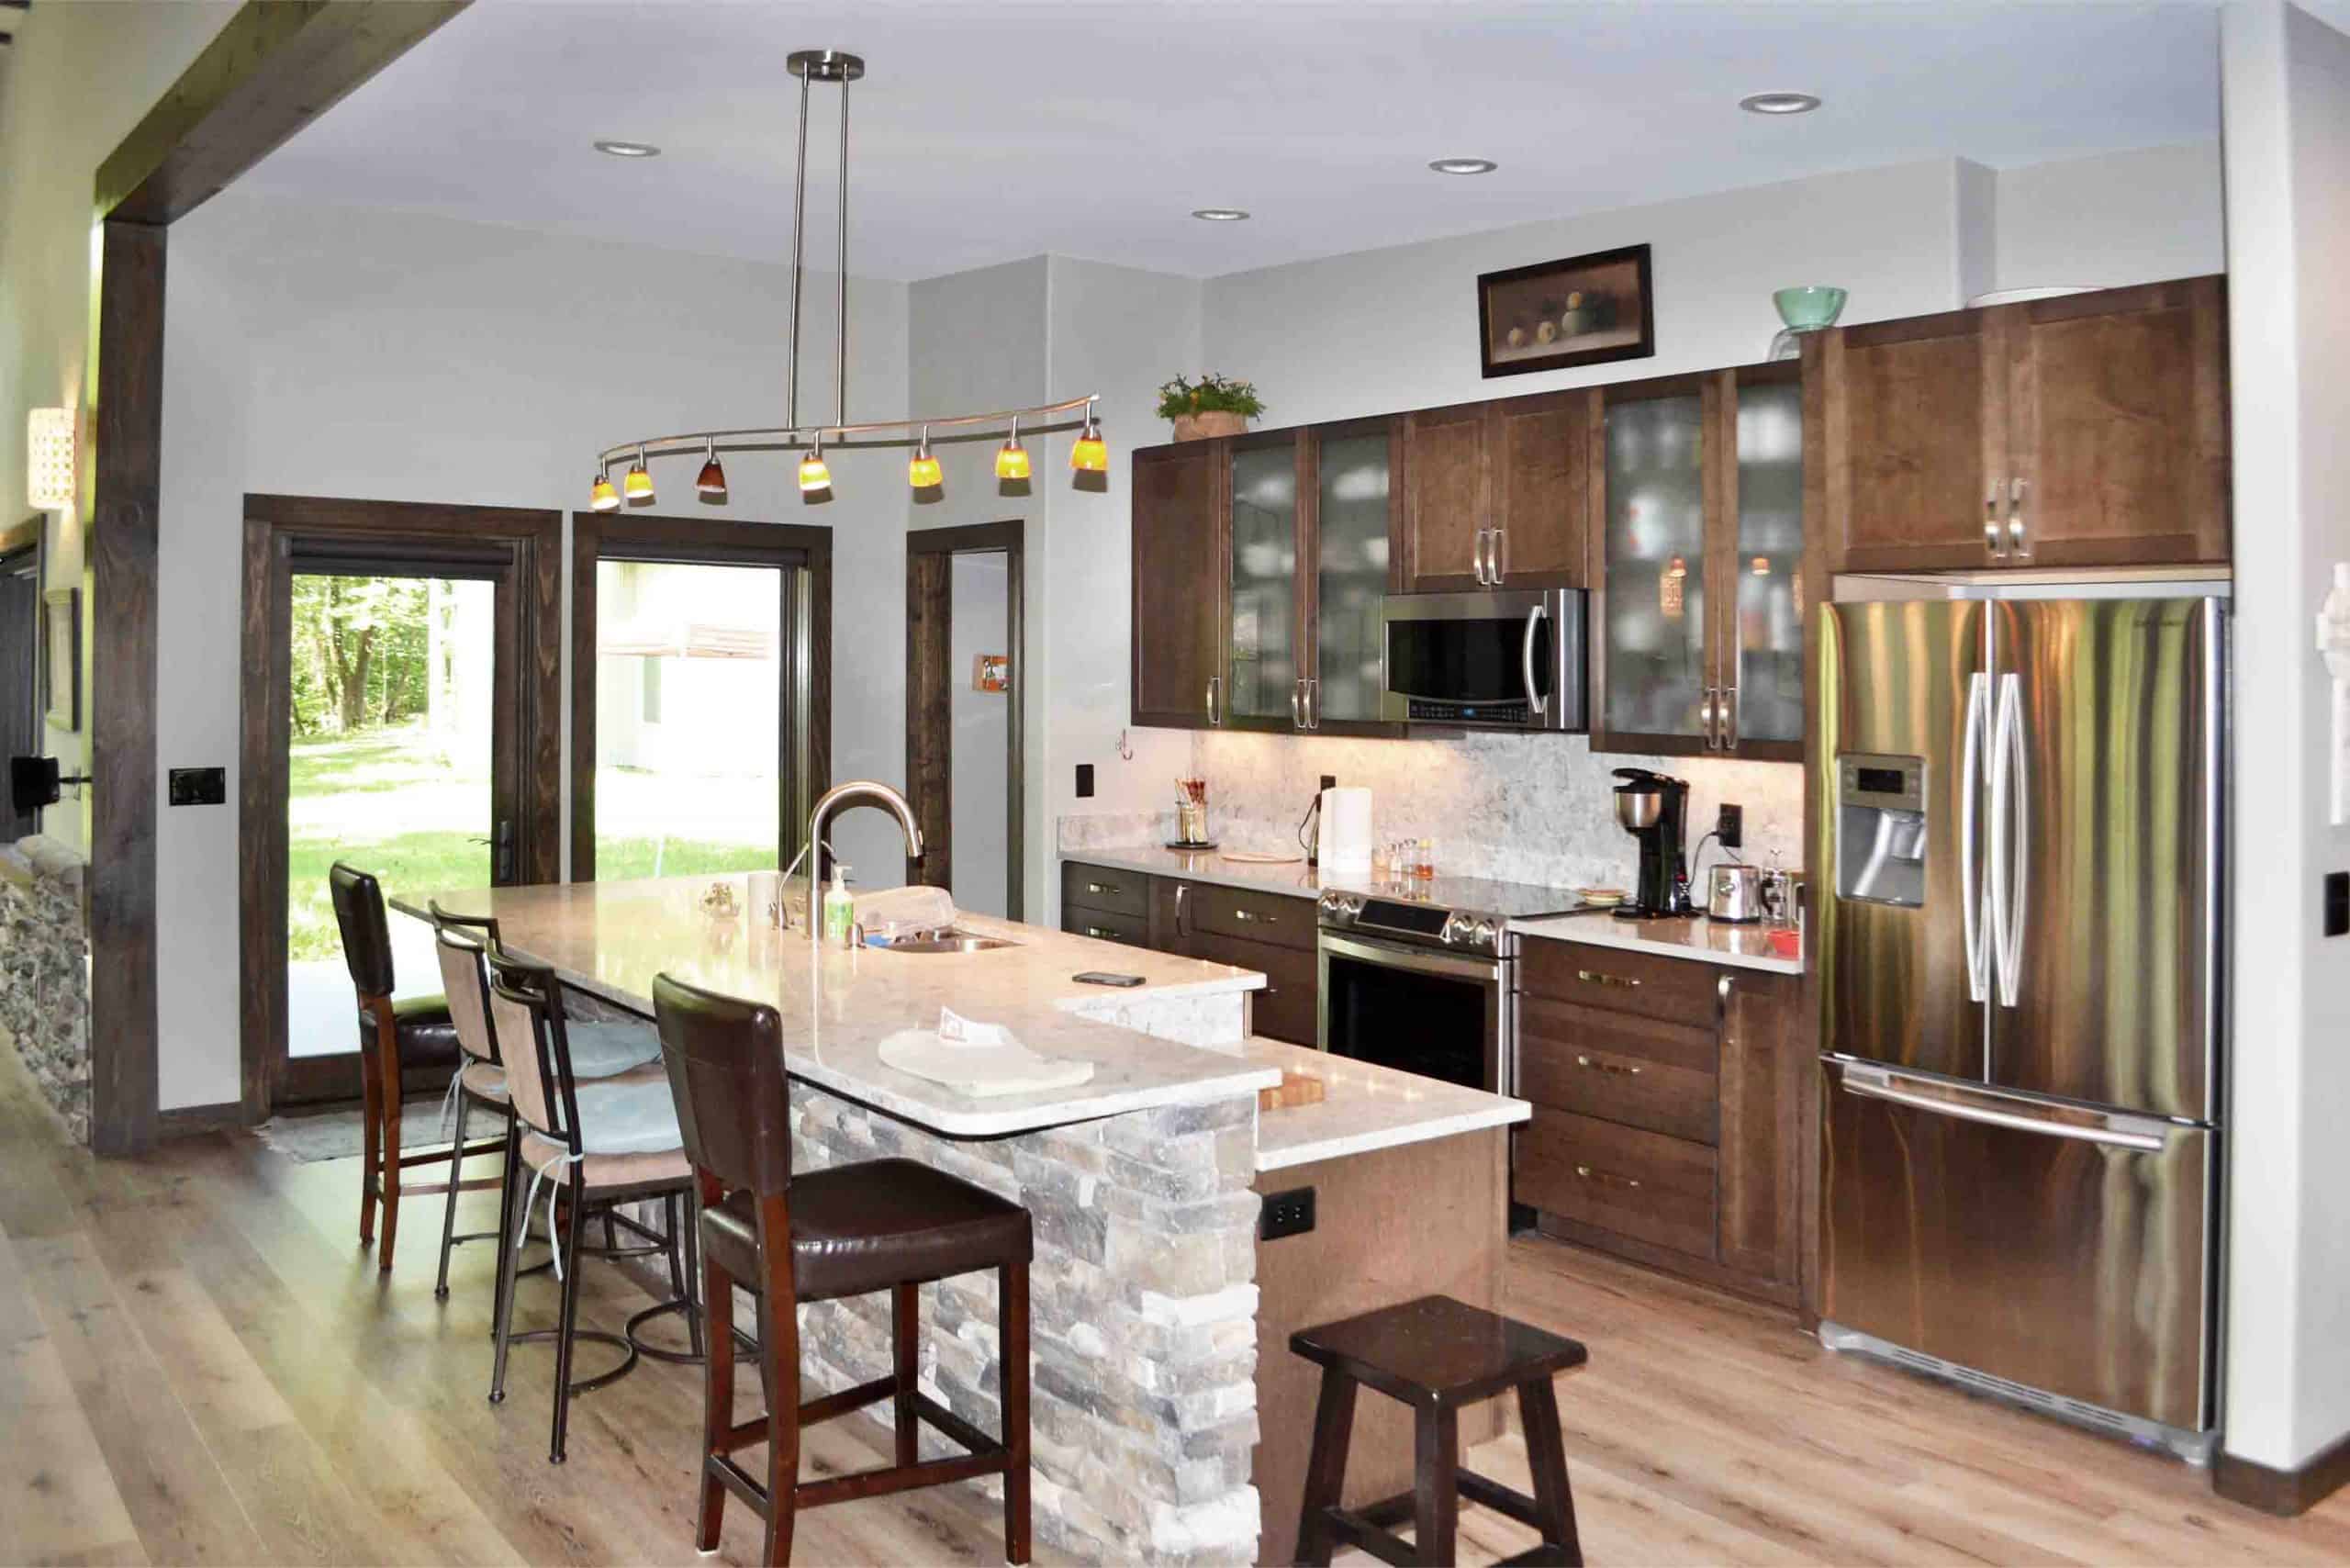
[1658,1077]
[1674,990]
[1132,929]
[1102,888]
[1286,1009]
[1640,1184]
[1279,920]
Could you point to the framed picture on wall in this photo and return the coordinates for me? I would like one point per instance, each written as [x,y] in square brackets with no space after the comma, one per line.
[1578,310]
[61,666]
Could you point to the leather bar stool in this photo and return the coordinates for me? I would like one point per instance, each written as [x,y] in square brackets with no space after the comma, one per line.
[598,1051]
[1436,1355]
[396,1037]
[847,1230]
[601,1144]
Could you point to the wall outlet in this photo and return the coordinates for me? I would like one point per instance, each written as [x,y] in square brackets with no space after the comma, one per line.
[2337,903]
[1732,825]
[1286,1214]
[1084,781]
[1329,782]
[199,786]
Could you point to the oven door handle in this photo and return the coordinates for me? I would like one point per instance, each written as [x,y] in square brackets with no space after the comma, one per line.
[1418,960]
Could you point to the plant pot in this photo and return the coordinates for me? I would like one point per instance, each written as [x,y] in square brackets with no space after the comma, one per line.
[1214,422]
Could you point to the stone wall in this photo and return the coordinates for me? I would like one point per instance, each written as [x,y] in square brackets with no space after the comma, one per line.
[45,972]
[1143,1307]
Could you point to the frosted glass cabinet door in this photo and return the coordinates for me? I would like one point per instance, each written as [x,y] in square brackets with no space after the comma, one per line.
[1765,644]
[1656,567]
[1264,583]
[1350,575]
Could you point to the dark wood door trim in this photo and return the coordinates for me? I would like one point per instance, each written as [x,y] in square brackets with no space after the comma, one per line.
[930,683]
[806,732]
[522,545]
[268,72]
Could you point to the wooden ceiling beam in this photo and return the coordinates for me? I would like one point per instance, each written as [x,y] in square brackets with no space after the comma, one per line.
[274,69]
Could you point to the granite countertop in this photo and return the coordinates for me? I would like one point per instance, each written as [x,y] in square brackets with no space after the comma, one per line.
[1294,878]
[1707,941]
[1366,1107]
[610,938]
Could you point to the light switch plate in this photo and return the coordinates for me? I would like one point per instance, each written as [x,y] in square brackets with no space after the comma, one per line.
[199,786]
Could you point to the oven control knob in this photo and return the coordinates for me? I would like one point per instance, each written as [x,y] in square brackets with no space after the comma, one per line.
[1484,933]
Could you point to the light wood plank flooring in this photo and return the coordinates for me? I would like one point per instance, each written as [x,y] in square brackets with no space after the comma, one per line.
[198,1364]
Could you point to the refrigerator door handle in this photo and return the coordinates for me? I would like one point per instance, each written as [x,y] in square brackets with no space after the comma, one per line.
[2012,837]
[1871,1084]
[1970,893]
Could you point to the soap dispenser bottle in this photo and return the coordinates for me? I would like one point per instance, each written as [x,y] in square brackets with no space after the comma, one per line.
[839,908]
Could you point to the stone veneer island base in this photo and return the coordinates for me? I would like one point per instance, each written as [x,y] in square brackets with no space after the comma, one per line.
[1144,1186]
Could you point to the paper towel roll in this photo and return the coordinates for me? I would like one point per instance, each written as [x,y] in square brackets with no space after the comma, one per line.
[1346,829]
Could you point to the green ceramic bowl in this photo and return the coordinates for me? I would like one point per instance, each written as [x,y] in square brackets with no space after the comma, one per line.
[1809,309]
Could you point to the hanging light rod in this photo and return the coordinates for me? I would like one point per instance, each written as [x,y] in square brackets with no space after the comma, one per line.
[838,67]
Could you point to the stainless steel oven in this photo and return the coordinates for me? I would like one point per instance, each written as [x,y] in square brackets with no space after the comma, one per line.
[1501,660]
[1419,986]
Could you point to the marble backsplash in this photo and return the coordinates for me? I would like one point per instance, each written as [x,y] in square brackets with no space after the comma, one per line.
[1523,808]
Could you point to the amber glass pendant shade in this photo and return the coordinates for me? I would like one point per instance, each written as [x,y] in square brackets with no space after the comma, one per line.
[1011,462]
[922,472]
[638,484]
[813,474]
[712,480]
[603,496]
[1089,455]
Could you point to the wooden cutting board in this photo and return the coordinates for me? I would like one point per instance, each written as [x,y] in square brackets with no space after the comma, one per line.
[1294,1089]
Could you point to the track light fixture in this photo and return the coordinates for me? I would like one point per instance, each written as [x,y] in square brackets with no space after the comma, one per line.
[836,68]
[922,472]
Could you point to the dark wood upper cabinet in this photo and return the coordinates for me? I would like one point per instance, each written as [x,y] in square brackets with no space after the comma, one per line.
[2117,419]
[1540,492]
[1446,500]
[1179,554]
[2085,431]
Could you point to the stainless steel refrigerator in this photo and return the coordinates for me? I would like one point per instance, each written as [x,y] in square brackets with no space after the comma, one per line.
[2018,822]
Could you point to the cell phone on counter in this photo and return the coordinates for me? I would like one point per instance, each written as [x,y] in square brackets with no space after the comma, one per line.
[1104,976]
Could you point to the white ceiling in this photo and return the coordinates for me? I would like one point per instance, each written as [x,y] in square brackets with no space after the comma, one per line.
[993,130]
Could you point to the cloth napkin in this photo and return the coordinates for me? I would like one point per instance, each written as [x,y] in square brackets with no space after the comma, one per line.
[978,1059]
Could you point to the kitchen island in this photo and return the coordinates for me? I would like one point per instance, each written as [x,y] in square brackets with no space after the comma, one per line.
[1144,1184]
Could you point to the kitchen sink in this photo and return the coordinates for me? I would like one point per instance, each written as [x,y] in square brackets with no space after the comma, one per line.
[952,941]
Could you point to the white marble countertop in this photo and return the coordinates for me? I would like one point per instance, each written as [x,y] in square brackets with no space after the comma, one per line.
[1706,941]
[610,938]
[1366,1107]
[1294,878]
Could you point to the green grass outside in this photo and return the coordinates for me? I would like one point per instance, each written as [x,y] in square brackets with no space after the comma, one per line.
[389,800]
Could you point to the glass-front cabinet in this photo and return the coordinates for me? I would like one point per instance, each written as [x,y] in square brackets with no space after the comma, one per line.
[1700,644]
[1311,532]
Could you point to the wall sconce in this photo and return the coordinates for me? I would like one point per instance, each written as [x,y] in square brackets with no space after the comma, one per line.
[49,459]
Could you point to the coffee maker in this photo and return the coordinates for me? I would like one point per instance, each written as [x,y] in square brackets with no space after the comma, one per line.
[1654,809]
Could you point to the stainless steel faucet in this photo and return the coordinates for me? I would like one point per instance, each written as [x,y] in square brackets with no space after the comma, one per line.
[855,789]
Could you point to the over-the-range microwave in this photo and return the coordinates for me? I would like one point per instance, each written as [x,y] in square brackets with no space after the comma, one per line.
[1504,659]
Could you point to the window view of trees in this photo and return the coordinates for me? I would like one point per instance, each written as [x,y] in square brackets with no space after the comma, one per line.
[362,652]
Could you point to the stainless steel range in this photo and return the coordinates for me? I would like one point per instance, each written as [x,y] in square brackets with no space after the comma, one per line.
[1423,975]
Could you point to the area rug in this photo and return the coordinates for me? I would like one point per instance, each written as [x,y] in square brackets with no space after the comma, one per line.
[340,1133]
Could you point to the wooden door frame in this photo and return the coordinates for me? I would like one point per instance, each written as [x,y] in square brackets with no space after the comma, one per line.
[30,538]
[526,543]
[930,684]
[269,71]
[804,753]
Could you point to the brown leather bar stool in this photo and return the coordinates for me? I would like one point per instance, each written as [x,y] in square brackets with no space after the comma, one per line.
[600,1144]
[1436,1355]
[848,1230]
[395,1037]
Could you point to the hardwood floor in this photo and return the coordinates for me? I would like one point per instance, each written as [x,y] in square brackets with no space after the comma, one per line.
[198,1366]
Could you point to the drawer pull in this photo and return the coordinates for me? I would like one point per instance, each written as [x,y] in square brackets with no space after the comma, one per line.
[1247,915]
[1595,977]
[1097,931]
[1598,1065]
[1110,888]
[1604,1177]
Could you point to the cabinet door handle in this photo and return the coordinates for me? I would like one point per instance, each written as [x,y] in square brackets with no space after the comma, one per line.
[1622,1069]
[1181,888]
[1297,704]
[1249,916]
[1110,888]
[1993,539]
[1599,977]
[2018,540]
[1501,556]
[1313,702]
[1605,1178]
[1708,720]
[1727,705]
[1477,558]
[1215,684]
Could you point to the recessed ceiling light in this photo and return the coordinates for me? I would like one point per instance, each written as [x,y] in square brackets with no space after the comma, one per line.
[1778,103]
[1464,165]
[1220,215]
[629,148]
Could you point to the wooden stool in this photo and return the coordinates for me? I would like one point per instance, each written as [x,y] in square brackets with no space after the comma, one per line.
[1436,1355]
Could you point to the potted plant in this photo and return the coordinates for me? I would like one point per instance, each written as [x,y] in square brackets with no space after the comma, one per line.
[1211,405]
